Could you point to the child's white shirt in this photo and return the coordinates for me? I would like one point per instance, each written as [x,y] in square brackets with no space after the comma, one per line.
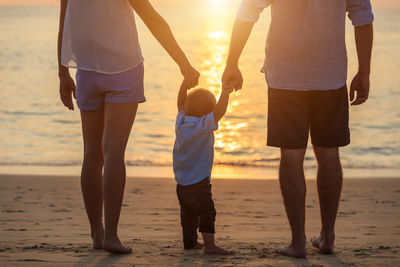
[193,153]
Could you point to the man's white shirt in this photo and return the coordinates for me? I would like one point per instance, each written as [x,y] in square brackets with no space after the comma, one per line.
[306,47]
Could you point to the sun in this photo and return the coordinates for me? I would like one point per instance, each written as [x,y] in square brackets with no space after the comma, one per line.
[217,1]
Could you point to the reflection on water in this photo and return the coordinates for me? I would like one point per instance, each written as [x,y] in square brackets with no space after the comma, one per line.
[37,130]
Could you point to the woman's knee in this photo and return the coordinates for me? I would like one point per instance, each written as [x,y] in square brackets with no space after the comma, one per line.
[93,155]
[113,151]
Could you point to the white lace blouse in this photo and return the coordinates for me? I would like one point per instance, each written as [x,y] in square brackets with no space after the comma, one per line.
[101,36]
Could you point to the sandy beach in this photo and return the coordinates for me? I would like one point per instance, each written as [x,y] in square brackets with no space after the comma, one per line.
[43,223]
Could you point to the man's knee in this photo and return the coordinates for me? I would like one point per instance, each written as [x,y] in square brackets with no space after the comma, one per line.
[292,157]
[327,156]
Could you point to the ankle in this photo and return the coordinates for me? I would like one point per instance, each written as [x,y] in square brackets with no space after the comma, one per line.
[208,239]
[299,241]
[111,236]
[97,230]
[328,236]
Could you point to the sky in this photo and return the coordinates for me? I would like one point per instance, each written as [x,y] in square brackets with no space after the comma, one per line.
[171,3]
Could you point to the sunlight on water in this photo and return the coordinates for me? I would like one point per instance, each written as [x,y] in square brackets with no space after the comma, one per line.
[37,130]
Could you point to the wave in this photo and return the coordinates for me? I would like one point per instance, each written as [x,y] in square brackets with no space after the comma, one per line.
[261,163]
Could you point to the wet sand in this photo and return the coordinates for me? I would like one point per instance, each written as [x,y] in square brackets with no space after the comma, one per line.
[43,223]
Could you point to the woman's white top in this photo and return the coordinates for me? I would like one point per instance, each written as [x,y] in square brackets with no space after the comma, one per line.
[101,36]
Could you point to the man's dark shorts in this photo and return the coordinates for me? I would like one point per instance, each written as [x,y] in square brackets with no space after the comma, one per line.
[292,115]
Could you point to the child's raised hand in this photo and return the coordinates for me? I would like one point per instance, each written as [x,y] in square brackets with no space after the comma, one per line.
[186,84]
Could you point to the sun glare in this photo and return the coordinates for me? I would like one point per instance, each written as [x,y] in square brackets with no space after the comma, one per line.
[217,1]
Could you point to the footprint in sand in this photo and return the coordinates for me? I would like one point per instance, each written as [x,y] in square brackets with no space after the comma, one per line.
[14,211]
[62,210]
[346,213]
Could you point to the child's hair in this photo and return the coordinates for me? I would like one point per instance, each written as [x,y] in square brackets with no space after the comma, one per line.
[199,102]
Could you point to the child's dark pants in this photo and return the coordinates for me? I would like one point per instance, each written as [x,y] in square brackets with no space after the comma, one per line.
[197,211]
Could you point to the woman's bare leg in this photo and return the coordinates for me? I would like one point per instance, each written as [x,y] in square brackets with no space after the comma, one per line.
[91,175]
[118,118]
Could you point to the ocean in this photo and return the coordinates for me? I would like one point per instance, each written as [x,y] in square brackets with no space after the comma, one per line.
[36,130]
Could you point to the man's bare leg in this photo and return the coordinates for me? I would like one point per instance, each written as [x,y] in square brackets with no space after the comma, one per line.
[293,187]
[118,119]
[329,182]
[91,175]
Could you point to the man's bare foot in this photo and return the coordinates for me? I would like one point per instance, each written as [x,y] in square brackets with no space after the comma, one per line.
[292,251]
[115,246]
[215,250]
[325,246]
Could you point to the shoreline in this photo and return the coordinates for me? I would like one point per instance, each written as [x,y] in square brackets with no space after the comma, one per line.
[219,172]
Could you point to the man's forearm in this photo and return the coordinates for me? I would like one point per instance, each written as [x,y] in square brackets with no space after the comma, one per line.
[240,34]
[364,39]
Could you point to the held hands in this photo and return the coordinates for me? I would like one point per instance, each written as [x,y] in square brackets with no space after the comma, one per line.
[360,84]
[232,78]
[67,90]
[191,76]
[228,87]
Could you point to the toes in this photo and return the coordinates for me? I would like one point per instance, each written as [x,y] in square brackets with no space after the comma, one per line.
[315,242]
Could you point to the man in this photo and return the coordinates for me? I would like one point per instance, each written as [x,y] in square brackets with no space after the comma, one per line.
[306,72]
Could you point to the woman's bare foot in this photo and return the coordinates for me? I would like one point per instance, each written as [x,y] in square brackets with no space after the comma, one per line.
[324,245]
[215,250]
[98,243]
[114,245]
[292,251]
[98,239]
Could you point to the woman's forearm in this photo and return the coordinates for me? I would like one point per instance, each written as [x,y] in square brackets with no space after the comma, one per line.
[160,30]
[62,70]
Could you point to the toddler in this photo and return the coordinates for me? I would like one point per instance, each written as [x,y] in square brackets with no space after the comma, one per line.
[193,154]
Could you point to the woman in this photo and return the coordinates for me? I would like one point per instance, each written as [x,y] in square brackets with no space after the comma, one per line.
[99,38]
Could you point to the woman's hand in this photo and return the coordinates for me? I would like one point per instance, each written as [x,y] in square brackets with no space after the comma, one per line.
[191,76]
[67,90]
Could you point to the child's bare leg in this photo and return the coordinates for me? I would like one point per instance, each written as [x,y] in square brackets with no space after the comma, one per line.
[91,175]
[118,123]
[210,247]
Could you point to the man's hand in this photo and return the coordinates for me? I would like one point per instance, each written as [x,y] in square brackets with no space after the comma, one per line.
[360,84]
[67,90]
[191,76]
[232,78]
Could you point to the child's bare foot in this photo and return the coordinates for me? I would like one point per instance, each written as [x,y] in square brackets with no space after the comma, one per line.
[198,246]
[114,245]
[215,250]
[292,251]
[324,245]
